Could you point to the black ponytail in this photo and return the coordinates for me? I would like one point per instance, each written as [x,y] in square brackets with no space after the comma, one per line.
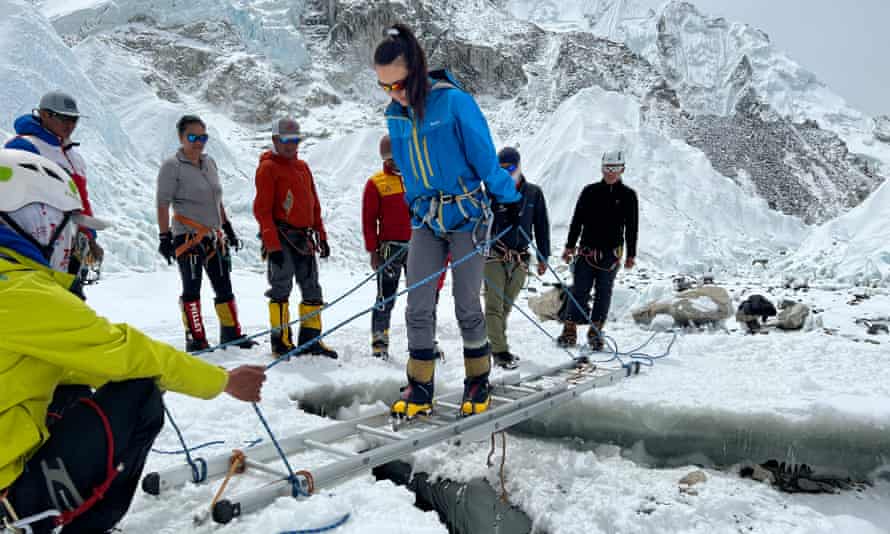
[399,41]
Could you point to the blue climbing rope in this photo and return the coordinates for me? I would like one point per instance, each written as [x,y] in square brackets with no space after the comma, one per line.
[454,263]
[198,465]
[538,325]
[296,489]
[309,315]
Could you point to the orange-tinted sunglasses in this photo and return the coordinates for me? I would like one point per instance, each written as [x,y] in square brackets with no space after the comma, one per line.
[394,86]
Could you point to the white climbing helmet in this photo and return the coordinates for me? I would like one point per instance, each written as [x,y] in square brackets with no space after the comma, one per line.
[613,158]
[27,178]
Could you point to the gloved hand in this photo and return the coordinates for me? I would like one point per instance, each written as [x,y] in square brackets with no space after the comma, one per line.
[376,260]
[166,248]
[231,237]
[323,249]
[96,251]
[567,254]
[277,257]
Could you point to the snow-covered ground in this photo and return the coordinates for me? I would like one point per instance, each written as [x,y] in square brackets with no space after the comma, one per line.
[720,398]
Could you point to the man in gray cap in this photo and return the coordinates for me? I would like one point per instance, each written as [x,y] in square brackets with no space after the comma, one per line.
[47,131]
[289,214]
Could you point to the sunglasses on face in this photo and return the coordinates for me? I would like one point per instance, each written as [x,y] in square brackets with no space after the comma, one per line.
[511,168]
[195,138]
[289,140]
[64,118]
[613,168]
[394,86]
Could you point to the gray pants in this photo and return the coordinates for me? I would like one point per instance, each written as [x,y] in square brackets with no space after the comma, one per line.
[300,267]
[427,255]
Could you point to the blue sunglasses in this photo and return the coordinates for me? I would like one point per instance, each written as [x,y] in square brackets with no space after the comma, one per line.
[289,140]
[509,168]
[194,138]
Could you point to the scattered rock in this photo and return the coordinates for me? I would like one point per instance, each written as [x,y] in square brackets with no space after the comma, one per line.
[698,306]
[691,479]
[793,315]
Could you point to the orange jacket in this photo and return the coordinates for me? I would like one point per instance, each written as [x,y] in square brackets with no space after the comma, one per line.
[285,192]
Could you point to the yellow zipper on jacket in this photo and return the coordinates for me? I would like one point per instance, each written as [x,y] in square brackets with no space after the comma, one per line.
[426,182]
[411,151]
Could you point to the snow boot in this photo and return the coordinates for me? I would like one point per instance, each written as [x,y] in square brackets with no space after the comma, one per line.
[282,335]
[477,395]
[416,399]
[380,344]
[569,336]
[506,360]
[229,327]
[195,335]
[595,336]
[310,328]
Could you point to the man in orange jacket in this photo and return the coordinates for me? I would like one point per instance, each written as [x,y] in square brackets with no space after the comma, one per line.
[287,210]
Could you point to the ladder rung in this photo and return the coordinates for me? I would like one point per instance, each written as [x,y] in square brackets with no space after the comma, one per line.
[521,389]
[448,405]
[378,432]
[329,448]
[264,468]
[502,399]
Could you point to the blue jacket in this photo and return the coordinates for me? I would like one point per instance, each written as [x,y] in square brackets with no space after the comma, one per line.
[11,240]
[449,153]
[29,125]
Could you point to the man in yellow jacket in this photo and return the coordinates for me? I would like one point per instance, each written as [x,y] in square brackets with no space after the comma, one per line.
[84,458]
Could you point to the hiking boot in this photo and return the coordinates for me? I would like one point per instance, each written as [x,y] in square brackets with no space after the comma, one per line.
[569,336]
[195,335]
[506,360]
[477,395]
[310,328]
[595,336]
[416,399]
[281,335]
[380,344]
[230,327]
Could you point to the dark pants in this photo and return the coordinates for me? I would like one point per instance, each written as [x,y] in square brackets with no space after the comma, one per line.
[206,256]
[300,265]
[591,273]
[74,461]
[388,283]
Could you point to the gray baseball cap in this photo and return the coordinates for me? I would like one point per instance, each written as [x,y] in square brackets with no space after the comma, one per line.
[61,103]
[286,127]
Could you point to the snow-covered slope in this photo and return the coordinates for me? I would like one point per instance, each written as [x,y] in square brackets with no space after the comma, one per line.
[691,217]
[853,248]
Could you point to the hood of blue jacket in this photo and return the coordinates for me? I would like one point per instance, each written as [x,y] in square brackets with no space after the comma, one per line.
[13,241]
[30,125]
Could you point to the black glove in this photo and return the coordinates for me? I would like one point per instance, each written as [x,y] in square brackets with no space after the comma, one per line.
[277,257]
[166,248]
[323,249]
[233,240]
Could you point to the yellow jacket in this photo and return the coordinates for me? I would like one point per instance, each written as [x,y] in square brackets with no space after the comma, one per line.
[48,337]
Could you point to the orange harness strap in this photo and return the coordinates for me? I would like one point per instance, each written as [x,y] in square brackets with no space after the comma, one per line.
[200,232]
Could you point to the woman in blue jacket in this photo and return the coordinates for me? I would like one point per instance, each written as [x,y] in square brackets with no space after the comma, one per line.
[442,144]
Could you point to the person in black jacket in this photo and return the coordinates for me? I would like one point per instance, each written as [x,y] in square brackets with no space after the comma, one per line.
[506,266]
[606,217]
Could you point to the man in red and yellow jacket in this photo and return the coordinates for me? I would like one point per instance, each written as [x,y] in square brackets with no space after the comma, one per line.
[289,214]
[386,225]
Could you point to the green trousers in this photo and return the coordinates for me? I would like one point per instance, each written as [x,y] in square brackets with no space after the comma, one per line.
[507,278]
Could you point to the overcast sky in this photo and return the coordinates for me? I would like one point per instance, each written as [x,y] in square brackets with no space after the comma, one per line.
[846,43]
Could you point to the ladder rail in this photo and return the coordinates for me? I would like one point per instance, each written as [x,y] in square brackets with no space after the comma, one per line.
[479,425]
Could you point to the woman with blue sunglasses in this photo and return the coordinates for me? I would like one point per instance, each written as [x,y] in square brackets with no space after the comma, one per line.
[201,234]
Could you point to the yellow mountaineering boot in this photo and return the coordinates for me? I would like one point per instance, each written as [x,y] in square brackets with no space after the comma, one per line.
[477,390]
[417,397]
[310,328]
[279,319]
